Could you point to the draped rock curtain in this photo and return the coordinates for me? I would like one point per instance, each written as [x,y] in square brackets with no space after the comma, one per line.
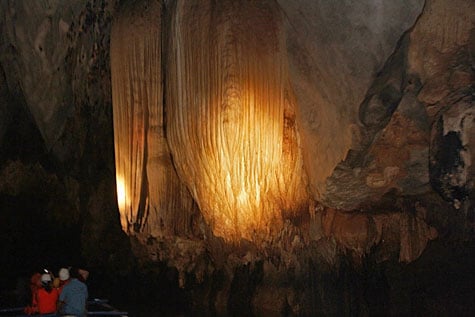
[151,198]
[230,115]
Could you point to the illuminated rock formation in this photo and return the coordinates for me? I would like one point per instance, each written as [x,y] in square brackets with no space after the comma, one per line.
[230,114]
[151,198]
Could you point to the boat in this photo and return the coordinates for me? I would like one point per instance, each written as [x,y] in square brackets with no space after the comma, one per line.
[95,307]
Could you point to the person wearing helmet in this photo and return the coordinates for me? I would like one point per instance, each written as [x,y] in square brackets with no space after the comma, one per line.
[47,296]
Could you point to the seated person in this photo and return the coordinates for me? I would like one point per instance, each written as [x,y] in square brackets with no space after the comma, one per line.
[83,275]
[47,296]
[63,279]
[73,297]
[35,285]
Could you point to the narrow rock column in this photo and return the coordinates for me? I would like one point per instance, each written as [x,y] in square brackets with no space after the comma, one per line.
[151,198]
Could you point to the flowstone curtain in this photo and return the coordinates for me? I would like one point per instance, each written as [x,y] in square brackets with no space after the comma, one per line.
[228,96]
[151,198]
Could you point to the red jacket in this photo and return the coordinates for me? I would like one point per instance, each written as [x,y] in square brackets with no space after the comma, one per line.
[47,301]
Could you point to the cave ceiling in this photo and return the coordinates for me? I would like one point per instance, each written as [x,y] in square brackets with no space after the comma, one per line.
[381,104]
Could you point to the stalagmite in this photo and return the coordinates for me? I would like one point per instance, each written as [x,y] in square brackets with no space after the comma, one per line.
[228,95]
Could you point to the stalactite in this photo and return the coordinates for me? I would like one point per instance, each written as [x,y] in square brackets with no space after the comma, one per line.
[226,95]
[151,197]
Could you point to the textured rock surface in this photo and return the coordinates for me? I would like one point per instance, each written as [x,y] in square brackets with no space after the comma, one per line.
[441,54]
[33,56]
[345,45]
[385,116]
[452,155]
[4,106]
[60,104]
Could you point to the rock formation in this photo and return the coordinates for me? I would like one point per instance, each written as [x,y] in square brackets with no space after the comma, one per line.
[270,156]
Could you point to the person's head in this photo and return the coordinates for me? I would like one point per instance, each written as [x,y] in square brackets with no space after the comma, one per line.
[36,280]
[63,274]
[45,278]
[78,273]
[46,281]
[83,274]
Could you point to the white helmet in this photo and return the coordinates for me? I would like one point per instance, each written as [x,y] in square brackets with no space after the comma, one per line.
[63,274]
[45,278]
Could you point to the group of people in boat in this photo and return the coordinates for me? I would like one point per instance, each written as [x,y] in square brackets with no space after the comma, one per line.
[65,294]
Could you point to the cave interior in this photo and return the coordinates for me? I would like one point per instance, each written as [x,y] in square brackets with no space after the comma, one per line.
[241,158]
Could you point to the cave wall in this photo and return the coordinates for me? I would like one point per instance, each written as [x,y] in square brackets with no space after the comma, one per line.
[384,117]
[332,72]
[58,98]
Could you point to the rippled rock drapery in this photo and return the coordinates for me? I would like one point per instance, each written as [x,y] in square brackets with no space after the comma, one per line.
[228,97]
[152,200]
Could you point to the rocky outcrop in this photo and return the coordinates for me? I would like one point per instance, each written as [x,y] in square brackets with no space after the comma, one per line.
[451,155]
[332,68]
[33,56]
[441,55]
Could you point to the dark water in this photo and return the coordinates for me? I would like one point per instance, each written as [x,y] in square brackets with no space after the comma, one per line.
[440,283]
